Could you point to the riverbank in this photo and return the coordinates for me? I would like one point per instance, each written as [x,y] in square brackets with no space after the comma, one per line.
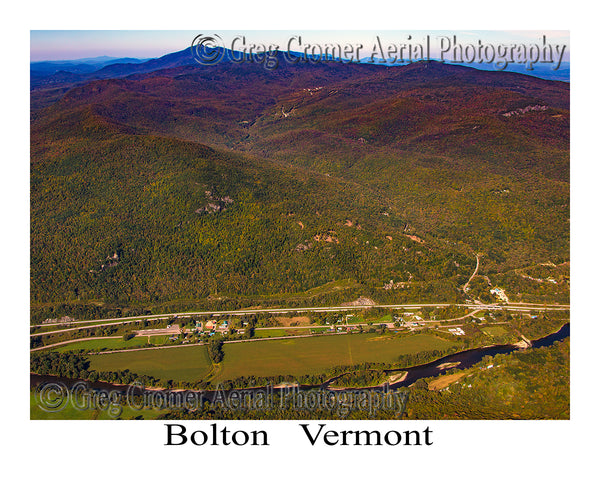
[406,376]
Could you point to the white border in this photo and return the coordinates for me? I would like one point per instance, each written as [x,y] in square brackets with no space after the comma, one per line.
[490,449]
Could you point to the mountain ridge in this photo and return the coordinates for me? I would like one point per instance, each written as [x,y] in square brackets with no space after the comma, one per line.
[231,181]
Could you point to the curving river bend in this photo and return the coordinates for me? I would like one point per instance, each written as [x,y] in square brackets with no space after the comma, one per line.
[468,358]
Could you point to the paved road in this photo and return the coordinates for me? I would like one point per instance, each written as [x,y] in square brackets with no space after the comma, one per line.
[50,332]
[255,339]
[410,306]
[466,285]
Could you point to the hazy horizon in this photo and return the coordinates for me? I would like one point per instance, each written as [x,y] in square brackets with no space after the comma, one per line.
[68,45]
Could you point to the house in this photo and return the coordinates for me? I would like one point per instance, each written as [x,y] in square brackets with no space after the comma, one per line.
[500,294]
[223,327]
[456,331]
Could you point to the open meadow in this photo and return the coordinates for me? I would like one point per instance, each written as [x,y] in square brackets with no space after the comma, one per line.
[293,356]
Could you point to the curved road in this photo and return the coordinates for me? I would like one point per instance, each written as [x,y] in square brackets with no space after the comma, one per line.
[471,277]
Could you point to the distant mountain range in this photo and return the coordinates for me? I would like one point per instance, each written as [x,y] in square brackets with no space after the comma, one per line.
[60,72]
[540,70]
[53,74]
[82,65]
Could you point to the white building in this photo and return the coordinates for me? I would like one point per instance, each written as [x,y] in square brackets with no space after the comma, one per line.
[501,294]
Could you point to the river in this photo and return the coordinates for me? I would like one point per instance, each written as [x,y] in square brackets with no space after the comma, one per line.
[468,358]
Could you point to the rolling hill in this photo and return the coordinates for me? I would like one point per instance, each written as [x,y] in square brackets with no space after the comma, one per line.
[177,184]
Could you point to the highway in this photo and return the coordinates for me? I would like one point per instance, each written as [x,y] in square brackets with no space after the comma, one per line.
[410,306]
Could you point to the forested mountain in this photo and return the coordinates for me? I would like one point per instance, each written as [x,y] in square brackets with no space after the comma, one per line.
[181,184]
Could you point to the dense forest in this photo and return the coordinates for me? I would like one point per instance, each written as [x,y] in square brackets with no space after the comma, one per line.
[197,188]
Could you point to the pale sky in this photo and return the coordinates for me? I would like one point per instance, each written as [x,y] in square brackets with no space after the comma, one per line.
[75,44]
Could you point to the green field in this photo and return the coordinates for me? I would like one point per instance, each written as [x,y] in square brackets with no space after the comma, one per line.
[113,343]
[103,343]
[158,339]
[318,329]
[300,356]
[69,412]
[355,318]
[495,331]
[280,332]
[294,356]
[189,363]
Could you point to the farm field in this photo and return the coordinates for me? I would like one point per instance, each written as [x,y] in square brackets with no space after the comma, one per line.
[303,356]
[112,343]
[281,332]
[102,343]
[294,356]
[190,363]
[495,330]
